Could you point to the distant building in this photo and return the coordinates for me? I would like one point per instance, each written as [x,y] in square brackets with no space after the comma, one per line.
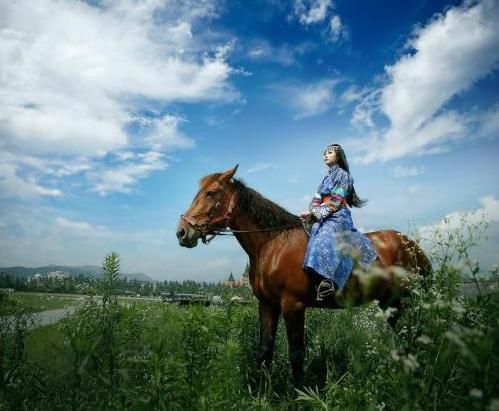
[229,283]
[37,277]
[57,275]
[240,282]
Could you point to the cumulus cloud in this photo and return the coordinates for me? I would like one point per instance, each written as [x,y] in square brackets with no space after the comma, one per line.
[318,12]
[161,133]
[480,224]
[312,11]
[447,57]
[307,100]
[75,77]
[121,178]
[12,184]
[488,212]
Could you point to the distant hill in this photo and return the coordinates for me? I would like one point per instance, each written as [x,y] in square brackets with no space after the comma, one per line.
[74,271]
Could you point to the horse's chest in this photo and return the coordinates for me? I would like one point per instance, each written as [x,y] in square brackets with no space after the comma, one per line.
[263,286]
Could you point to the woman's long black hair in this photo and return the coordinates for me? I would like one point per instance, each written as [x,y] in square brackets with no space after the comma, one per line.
[353,199]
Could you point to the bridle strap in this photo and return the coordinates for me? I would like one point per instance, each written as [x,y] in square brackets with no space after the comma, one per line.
[204,226]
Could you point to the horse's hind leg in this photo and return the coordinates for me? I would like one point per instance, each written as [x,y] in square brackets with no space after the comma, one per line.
[269,317]
[294,316]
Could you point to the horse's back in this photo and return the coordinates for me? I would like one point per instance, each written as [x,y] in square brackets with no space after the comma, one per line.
[396,249]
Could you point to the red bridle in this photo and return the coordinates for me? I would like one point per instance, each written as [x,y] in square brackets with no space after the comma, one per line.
[205,226]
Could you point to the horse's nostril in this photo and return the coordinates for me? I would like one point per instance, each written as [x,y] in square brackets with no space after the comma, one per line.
[180,233]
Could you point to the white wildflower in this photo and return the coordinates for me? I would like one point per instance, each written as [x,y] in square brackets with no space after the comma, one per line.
[476,393]
[379,314]
[390,311]
[494,405]
[395,355]
[453,337]
[410,363]
[424,339]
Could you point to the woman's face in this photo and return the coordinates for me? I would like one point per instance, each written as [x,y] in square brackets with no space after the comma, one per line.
[330,157]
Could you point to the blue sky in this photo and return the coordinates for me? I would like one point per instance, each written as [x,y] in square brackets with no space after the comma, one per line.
[111,111]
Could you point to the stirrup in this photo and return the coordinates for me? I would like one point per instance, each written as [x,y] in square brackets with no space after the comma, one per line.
[325,289]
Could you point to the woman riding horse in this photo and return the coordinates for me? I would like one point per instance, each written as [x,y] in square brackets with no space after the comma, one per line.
[333,238]
[276,242]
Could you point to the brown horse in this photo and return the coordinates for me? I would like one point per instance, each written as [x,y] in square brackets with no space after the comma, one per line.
[275,242]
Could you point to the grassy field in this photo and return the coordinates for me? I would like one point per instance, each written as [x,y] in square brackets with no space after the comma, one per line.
[145,355]
[36,302]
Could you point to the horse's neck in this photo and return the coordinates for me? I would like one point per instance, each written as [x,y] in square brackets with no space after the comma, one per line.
[253,242]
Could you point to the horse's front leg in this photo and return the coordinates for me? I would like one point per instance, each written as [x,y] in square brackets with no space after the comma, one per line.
[269,317]
[294,316]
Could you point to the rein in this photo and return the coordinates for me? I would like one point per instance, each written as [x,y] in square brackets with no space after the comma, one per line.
[205,229]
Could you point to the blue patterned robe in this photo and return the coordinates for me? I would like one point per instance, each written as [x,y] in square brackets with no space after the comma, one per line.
[333,238]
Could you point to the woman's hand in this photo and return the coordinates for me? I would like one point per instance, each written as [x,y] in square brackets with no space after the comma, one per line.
[305,215]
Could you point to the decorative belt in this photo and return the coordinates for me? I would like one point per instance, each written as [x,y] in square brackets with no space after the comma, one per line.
[334,197]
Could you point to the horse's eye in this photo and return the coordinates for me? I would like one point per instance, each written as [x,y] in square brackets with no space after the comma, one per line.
[210,193]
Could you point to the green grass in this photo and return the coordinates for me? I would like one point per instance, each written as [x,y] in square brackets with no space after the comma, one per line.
[36,302]
[443,353]
[45,347]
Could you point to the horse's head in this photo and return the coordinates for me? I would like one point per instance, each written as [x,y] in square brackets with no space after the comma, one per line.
[210,210]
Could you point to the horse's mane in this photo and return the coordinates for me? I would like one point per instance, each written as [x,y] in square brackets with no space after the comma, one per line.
[264,212]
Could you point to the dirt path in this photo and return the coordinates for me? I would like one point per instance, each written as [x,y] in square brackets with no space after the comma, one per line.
[52,316]
[40,319]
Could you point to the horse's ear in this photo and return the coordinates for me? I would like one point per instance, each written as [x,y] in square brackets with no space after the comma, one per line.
[227,175]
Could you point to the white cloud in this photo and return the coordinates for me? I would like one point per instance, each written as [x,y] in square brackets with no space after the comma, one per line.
[352,94]
[307,99]
[337,30]
[312,11]
[489,123]
[449,55]
[401,172]
[260,167]
[162,133]
[488,212]
[122,177]
[367,107]
[479,228]
[80,227]
[73,76]
[25,187]
[312,101]
[58,167]
[318,12]
[286,55]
